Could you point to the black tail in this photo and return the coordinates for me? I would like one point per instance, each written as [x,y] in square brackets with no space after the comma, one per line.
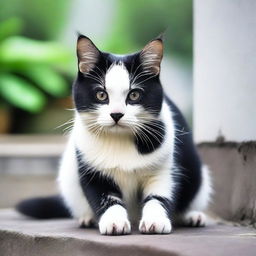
[44,208]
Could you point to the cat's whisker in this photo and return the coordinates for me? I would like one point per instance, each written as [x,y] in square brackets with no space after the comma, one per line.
[72,120]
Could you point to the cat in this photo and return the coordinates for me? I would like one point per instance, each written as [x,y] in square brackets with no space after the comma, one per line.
[130,158]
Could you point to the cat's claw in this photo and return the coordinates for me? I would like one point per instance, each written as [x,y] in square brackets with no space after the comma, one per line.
[115,222]
[115,227]
[86,222]
[195,219]
[155,226]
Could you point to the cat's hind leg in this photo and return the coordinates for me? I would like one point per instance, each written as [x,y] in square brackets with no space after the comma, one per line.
[194,219]
[70,188]
[195,216]
[87,220]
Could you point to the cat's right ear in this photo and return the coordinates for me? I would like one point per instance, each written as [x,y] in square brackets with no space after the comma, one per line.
[87,54]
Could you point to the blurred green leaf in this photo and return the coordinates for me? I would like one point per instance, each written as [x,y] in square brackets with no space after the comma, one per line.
[43,19]
[21,49]
[46,78]
[21,94]
[10,27]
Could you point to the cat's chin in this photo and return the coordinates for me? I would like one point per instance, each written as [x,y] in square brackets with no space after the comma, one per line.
[119,129]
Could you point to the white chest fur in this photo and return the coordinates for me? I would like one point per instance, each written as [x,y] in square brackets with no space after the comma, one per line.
[118,152]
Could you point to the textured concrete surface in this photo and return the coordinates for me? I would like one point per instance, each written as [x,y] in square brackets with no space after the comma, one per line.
[233,167]
[22,236]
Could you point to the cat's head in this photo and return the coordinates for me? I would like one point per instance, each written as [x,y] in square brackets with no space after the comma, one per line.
[115,93]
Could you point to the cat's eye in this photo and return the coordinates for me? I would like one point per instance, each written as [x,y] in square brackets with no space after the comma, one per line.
[101,95]
[134,95]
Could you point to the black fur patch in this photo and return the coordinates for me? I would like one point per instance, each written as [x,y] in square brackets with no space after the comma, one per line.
[85,85]
[97,188]
[188,177]
[151,137]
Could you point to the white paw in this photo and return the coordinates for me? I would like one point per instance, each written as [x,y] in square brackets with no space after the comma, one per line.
[154,219]
[155,225]
[115,221]
[195,219]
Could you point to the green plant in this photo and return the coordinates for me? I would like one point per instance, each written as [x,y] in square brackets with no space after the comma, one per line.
[30,70]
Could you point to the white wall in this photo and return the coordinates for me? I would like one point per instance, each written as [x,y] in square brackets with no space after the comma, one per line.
[225,69]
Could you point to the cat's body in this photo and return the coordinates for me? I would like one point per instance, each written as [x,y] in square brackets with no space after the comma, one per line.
[130,155]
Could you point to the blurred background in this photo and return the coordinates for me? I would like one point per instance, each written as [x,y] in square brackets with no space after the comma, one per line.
[38,65]
[38,62]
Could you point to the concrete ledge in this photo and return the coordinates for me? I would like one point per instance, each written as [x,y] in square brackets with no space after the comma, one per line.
[22,236]
[31,145]
[30,154]
[233,167]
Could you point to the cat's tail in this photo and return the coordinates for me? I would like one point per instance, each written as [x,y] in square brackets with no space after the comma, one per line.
[44,208]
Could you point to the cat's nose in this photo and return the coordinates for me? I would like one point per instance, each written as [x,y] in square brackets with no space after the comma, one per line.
[116,116]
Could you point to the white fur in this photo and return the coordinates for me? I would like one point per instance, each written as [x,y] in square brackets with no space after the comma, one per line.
[117,83]
[97,149]
[114,221]
[154,219]
[69,185]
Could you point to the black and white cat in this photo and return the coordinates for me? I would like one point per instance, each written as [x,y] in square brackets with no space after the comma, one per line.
[130,155]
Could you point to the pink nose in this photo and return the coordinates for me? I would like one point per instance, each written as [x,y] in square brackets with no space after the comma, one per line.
[116,116]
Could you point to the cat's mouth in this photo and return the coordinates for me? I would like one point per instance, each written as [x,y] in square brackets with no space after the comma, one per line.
[118,127]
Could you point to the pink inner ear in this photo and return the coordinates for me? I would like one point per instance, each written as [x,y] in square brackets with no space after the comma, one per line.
[151,56]
[87,54]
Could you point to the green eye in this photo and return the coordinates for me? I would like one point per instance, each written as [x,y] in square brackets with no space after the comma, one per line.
[101,95]
[134,95]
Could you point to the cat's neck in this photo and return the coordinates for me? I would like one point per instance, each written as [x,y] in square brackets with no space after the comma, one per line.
[109,150]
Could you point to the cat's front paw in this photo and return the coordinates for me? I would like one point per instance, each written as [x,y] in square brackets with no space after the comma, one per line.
[151,225]
[154,219]
[115,221]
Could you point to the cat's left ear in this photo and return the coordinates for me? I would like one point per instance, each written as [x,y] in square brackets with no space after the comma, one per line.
[87,54]
[151,56]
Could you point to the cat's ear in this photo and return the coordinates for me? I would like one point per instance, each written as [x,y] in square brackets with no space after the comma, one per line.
[87,54]
[151,56]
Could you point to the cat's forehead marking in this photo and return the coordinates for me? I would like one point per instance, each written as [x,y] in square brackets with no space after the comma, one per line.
[117,78]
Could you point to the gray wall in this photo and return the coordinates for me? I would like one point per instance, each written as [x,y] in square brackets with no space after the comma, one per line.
[225,69]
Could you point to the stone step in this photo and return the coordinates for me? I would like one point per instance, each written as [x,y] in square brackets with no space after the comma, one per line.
[22,236]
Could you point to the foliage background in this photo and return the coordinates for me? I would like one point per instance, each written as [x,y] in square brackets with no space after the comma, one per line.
[37,50]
